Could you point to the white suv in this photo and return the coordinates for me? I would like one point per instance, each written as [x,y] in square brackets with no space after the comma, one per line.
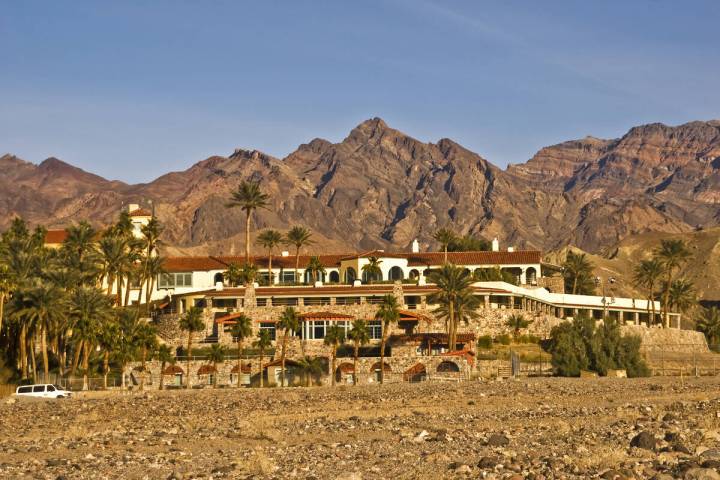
[42,391]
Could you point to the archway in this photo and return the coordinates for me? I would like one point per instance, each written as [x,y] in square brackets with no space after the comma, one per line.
[344,373]
[414,274]
[530,276]
[416,373]
[375,370]
[396,273]
[219,278]
[350,275]
[368,278]
[334,277]
[447,366]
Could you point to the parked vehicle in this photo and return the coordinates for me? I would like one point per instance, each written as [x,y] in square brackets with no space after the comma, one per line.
[42,391]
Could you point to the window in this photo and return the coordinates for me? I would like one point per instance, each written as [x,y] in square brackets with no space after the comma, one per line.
[50,388]
[316,301]
[287,276]
[24,389]
[38,388]
[347,300]
[375,329]
[172,280]
[224,302]
[284,301]
[270,327]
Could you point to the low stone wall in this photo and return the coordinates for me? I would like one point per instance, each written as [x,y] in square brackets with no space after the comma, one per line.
[656,339]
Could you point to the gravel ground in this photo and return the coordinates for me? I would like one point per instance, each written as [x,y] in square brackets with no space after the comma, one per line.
[532,428]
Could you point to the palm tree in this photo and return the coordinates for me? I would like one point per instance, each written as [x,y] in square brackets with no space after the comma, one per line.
[269,239]
[155,268]
[191,322]
[578,270]
[241,330]
[444,237]
[6,288]
[672,254]
[262,343]
[80,250]
[298,237]
[288,322]
[372,269]
[646,275]
[334,337]
[249,197]
[165,356]
[215,356]
[146,341]
[248,272]
[126,346]
[150,241]
[233,275]
[682,295]
[360,336]
[453,283]
[108,340]
[388,313]
[310,366]
[316,268]
[90,309]
[709,324]
[517,322]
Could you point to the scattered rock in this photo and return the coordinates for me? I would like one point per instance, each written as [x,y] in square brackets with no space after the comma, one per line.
[644,440]
[497,440]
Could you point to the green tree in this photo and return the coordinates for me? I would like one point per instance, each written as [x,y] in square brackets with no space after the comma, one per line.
[150,242]
[359,335]
[517,322]
[109,333]
[311,367]
[288,322]
[569,353]
[155,268]
[709,324]
[334,337]
[126,346]
[646,275]
[249,197]
[146,341]
[191,322]
[578,274]
[388,313]
[445,237]
[165,356]
[452,283]
[216,356]
[316,268]
[682,295]
[262,343]
[234,275]
[89,310]
[371,270]
[672,254]
[241,331]
[468,243]
[270,240]
[298,237]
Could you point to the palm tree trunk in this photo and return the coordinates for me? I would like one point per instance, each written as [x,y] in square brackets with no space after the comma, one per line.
[162,375]
[43,347]
[106,368]
[382,357]
[111,282]
[2,310]
[445,249]
[32,359]
[86,365]
[122,376]
[262,357]
[282,357]
[574,290]
[127,291]
[355,360]
[332,368]
[23,351]
[270,270]
[189,353]
[118,290]
[297,263]
[666,314]
[76,358]
[247,236]
[142,366]
[451,319]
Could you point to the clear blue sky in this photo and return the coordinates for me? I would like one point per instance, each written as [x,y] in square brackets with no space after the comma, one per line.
[133,89]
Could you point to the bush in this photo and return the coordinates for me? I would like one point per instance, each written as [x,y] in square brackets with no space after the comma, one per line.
[579,345]
[528,339]
[485,342]
[503,339]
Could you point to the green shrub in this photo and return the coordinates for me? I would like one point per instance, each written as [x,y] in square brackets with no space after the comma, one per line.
[503,339]
[485,342]
[528,339]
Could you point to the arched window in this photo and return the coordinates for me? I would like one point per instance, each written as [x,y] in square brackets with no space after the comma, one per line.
[350,275]
[531,275]
[396,273]
[375,278]
[447,366]
[414,274]
[334,277]
[218,278]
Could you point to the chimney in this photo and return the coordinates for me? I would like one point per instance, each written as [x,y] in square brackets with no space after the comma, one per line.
[415,246]
[495,245]
[284,253]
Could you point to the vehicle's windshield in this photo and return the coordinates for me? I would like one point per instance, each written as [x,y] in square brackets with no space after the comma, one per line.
[50,388]
[57,388]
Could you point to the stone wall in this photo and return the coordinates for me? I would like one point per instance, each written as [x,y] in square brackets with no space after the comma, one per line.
[656,339]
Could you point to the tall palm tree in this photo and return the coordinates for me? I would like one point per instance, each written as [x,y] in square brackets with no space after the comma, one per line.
[113,258]
[155,268]
[316,268]
[90,309]
[673,254]
[234,275]
[150,242]
[334,337]
[444,236]
[372,269]
[262,343]
[298,237]
[359,335]
[249,197]
[453,283]
[165,356]
[388,313]
[517,322]
[241,331]
[6,288]
[80,250]
[191,322]
[108,339]
[578,270]
[126,346]
[682,295]
[646,275]
[270,240]
[288,322]
[709,324]
[146,341]
[310,366]
[215,356]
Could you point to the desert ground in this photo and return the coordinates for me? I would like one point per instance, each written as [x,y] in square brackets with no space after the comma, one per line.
[658,428]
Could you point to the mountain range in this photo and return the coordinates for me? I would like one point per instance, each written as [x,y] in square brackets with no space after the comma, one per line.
[380,188]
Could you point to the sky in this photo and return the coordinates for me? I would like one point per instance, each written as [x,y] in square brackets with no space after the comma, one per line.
[131,90]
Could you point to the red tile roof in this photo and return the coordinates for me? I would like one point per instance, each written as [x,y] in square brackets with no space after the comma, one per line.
[245,368]
[55,236]
[206,369]
[475,258]
[190,264]
[325,316]
[172,370]
[140,212]
[328,261]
